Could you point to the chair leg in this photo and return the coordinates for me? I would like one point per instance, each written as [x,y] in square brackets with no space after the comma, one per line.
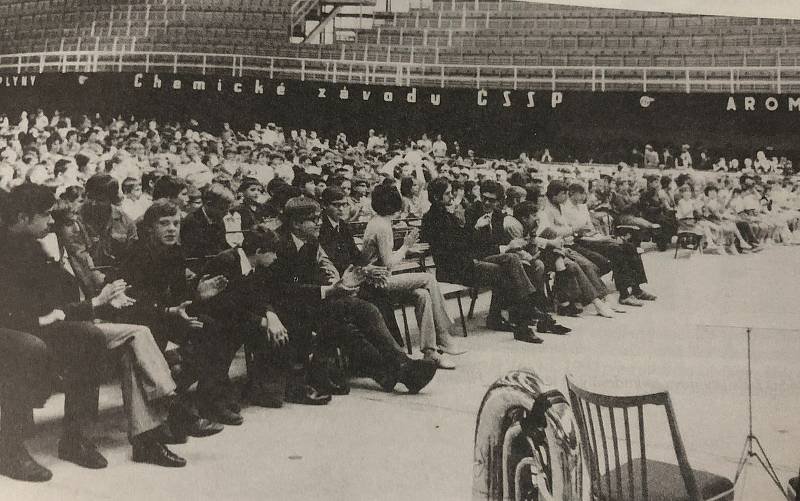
[409,348]
[473,294]
[461,315]
[677,246]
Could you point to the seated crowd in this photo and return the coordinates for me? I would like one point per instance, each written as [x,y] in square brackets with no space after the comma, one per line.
[172,249]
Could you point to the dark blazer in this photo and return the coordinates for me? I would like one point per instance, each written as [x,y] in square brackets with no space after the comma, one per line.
[343,251]
[251,214]
[339,245]
[450,245]
[202,237]
[487,240]
[157,276]
[297,273]
[32,285]
[246,298]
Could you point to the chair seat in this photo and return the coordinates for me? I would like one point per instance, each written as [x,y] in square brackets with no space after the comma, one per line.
[665,483]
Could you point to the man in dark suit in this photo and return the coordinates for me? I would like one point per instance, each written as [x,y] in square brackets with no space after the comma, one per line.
[314,290]
[337,241]
[248,317]
[165,297]
[203,232]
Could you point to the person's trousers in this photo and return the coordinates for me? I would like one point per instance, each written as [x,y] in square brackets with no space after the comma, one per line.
[368,322]
[510,284]
[579,282]
[626,263]
[29,361]
[203,355]
[145,377]
[429,307]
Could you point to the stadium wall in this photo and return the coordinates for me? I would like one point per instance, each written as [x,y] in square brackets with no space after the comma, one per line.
[599,125]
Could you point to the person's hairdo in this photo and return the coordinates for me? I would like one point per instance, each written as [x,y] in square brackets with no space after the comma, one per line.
[554,188]
[436,189]
[407,186]
[28,199]
[386,200]
[332,194]
[709,188]
[72,193]
[61,167]
[492,186]
[63,213]
[160,208]
[274,184]
[168,187]
[216,193]
[576,188]
[665,181]
[259,240]
[525,209]
[103,188]
[128,184]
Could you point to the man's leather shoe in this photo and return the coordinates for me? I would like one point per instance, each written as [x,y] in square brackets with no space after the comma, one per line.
[387,380]
[153,452]
[307,395]
[233,406]
[526,335]
[266,400]
[164,434]
[82,452]
[549,326]
[499,324]
[16,463]
[334,384]
[221,414]
[198,427]
[416,374]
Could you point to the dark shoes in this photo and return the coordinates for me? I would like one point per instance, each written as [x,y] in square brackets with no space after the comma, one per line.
[266,400]
[568,311]
[17,463]
[526,335]
[547,325]
[499,324]
[82,452]
[331,382]
[221,413]
[416,374]
[307,395]
[164,435]
[644,296]
[183,423]
[151,451]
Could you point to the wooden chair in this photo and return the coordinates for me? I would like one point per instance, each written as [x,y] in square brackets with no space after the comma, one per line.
[636,478]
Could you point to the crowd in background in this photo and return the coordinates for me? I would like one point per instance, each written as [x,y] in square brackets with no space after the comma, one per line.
[177,247]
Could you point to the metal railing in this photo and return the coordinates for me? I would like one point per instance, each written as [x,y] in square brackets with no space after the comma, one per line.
[737,79]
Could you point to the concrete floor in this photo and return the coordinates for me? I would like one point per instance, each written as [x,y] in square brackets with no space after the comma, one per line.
[373,446]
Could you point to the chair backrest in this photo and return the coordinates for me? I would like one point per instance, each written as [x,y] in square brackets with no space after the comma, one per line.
[602,440]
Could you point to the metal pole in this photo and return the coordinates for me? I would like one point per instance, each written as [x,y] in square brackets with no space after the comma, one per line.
[749,391]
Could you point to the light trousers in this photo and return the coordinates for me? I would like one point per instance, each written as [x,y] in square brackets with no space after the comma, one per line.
[429,307]
[145,377]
